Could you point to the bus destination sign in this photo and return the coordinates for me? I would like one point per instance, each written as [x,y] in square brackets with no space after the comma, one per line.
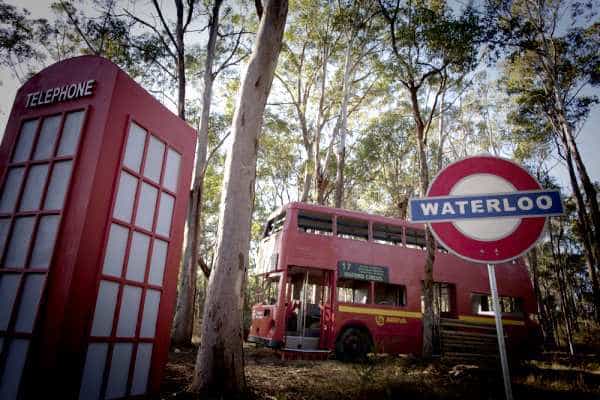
[363,272]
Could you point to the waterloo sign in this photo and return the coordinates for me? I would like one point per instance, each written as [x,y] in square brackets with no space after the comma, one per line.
[486,209]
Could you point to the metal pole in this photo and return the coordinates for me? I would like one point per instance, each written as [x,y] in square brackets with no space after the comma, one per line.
[303,309]
[500,333]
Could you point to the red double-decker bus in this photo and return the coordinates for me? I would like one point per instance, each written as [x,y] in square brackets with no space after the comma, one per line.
[350,282]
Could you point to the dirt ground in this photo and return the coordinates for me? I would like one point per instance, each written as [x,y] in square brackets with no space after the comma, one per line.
[551,376]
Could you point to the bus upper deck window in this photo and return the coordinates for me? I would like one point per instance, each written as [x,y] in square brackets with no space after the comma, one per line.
[315,223]
[387,234]
[352,229]
[415,238]
[274,225]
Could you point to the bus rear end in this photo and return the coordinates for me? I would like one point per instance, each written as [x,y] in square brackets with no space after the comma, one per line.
[265,312]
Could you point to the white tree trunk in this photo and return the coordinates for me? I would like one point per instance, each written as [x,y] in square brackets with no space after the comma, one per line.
[343,126]
[183,324]
[220,366]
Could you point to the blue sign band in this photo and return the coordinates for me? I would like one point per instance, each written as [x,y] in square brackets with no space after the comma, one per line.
[538,203]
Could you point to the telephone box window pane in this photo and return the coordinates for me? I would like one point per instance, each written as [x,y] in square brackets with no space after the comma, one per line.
[125,197]
[34,187]
[70,134]
[119,370]
[45,145]
[135,147]
[25,141]
[9,283]
[146,205]
[154,159]
[93,371]
[44,242]
[150,313]
[19,242]
[115,251]
[138,255]
[55,198]
[128,316]
[12,185]
[32,292]
[171,175]
[4,226]
[15,361]
[165,212]
[157,262]
[141,369]
[105,308]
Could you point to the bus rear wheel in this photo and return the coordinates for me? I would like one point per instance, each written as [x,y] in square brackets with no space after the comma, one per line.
[352,345]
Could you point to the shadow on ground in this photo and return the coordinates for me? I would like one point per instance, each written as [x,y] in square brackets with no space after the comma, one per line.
[396,377]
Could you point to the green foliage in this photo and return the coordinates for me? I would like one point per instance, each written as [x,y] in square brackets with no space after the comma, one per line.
[428,38]
[19,37]
[547,67]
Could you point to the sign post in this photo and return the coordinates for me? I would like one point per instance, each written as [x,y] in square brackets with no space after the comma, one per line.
[487,210]
[500,333]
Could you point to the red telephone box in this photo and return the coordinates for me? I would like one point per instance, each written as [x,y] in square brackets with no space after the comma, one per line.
[95,178]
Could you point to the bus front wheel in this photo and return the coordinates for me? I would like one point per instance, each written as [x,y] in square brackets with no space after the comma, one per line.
[352,345]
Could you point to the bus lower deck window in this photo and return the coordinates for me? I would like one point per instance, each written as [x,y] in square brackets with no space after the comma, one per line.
[353,291]
[483,304]
[390,295]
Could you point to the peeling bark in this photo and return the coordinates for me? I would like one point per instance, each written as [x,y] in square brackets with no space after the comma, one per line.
[429,240]
[219,370]
[183,324]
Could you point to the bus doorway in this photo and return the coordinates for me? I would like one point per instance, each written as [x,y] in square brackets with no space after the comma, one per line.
[308,312]
[443,307]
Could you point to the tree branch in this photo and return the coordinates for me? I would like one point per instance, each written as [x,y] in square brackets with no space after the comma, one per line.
[259,8]
[189,15]
[226,63]
[213,151]
[204,267]
[77,28]
[164,23]
[153,28]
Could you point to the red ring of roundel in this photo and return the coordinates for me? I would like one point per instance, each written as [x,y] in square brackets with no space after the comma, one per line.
[524,236]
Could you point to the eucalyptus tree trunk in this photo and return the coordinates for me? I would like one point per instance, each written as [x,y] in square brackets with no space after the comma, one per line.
[441,136]
[219,370]
[318,171]
[547,330]
[558,262]
[429,240]
[588,187]
[343,127]
[570,144]
[307,177]
[180,48]
[183,324]
[590,246]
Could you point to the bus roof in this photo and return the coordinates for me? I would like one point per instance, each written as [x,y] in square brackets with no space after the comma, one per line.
[345,213]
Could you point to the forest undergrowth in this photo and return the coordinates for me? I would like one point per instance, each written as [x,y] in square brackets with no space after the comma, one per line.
[547,376]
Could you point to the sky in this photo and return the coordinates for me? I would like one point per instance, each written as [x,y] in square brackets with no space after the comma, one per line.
[588,139]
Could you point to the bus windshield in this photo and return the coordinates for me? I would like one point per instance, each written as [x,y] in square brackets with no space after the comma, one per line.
[269,289]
